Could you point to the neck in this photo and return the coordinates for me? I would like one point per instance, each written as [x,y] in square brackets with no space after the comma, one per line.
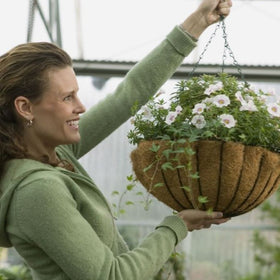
[39,151]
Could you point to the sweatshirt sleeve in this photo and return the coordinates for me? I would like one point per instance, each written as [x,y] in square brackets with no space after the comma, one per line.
[47,216]
[140,83]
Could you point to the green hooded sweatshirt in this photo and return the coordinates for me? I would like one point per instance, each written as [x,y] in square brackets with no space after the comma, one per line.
[59,221]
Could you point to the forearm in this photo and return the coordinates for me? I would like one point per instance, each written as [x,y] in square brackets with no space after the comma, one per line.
[142,81]
[194,25]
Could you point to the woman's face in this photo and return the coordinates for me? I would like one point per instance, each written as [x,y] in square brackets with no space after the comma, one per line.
[56,115]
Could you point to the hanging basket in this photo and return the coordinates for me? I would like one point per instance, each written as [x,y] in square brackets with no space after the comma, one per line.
[234,178]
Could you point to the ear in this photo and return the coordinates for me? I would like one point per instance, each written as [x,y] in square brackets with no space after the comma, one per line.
[23,107]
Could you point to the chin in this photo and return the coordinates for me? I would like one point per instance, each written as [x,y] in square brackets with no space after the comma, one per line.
[72,140]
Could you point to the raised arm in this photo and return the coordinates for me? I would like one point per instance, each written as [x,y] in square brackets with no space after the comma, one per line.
[147,76]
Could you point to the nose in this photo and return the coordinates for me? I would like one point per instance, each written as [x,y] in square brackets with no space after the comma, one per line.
[79,108]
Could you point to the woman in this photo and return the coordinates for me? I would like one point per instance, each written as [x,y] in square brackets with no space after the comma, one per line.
[51,211]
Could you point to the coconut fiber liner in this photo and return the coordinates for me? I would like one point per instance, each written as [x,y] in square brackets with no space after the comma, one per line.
[235,178]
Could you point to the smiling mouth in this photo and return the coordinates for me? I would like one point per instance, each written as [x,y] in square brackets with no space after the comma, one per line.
[73,124]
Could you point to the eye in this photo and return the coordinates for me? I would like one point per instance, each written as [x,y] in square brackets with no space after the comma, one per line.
[68,97]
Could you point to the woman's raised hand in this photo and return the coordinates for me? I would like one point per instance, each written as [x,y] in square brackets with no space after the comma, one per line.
[207,13]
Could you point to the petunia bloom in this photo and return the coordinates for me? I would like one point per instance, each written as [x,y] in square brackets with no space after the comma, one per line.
[221,100]
[213,88]
[198,108]
[170,118]
[147,113]
[178,109]
[248,106]
[227,120]
[198,121]
[273,109]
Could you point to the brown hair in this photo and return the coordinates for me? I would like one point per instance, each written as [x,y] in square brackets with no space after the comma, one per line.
[23,73]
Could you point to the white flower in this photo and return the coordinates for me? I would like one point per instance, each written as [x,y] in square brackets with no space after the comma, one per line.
[227,120]
[221,100]
[249,106]
[239,97]
[262,98]
[170,118]
[160,92]
[198,108]
[219,86]
[271,92]
[178,109]
[241,85]
[147,113]
[208,100]
[198,121]
[213,88]
[273,109]
[252,88]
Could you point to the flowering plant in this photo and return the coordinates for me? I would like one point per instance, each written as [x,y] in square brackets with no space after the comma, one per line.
[211,107]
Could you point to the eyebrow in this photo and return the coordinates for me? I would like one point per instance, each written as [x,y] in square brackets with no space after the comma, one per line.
[70,92]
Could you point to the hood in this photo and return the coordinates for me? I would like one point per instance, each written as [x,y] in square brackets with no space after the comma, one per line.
[15,172]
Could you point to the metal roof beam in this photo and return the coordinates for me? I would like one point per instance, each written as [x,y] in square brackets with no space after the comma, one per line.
[119,69]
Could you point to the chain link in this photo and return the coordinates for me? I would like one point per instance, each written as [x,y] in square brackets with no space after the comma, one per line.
[230,52]
[226,50]
[205,49]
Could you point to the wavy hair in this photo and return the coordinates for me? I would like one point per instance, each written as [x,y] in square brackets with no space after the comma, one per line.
[23,72]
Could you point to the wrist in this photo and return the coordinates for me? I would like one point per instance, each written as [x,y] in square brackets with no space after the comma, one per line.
[194,25]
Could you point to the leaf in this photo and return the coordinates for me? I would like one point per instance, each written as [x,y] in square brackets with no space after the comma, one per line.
[203,199]
[129,203]
[158,185]
[155,148]
[130,178]
[130,187]
[186,188]
[115,193]
[122,211]
[167,152]
[148,167]
[194,176]
[167,165]
[181,141]
[139,193]
[190,151]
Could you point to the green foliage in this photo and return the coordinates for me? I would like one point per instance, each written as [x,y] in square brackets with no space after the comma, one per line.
[119,208]
[216,107]
[17,272]
[173,268]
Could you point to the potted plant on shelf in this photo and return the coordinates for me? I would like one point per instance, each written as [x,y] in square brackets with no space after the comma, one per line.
[214,144]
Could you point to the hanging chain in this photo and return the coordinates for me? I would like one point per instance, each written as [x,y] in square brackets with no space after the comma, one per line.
[226,49]
[205,49]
